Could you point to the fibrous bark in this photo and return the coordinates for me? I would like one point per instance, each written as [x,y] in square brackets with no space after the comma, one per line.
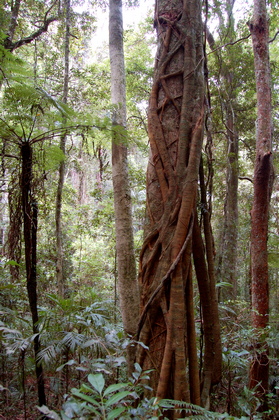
[30,222]
[126,266]
[175,128]
[263,180]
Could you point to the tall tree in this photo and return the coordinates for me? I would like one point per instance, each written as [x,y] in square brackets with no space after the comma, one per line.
[126,266]
[172,233]
[58,215]
[263,181]
[228,85]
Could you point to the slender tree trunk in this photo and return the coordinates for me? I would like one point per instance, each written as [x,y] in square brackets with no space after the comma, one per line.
[30,222]
[227,255]
[127,278]
[175,128]
[203,255]
[58,213]
[263,180]
[228,271]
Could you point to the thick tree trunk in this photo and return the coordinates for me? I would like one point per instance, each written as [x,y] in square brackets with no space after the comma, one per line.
[126,266]
[175,128]
[61,176]
[263,179]
[14,234]
[30,221]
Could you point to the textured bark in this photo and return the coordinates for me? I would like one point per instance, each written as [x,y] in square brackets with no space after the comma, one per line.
[175,128]
[126,266]
[14,242]
[61,176]
[228,271]
[30,221]
[227,254]
[263,179]
[191,335]
[13,22]
[205,273]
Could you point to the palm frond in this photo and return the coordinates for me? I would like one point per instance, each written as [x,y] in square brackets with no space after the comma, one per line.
[73,340]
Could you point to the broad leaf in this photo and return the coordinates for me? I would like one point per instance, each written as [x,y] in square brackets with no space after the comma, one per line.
[94,410]
[138,368]
[85,397]
[51,414]
[117,397]
[64,416]
[115,413]
[69,363]
[114,388]
[97,381]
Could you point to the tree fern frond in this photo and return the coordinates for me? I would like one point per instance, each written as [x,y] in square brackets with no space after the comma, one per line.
[12,65]
[196,412]
[65,110]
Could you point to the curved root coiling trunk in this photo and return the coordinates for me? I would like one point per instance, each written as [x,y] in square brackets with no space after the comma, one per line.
[175,124]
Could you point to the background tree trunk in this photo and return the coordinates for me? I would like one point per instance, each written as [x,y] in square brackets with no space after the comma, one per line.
[13,22]
[126,266]
[227,253]
[203,255]
[58,215]
[263,180]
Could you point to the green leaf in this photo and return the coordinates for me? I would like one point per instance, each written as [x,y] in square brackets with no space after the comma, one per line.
[223,284]
[114,388]
[85,397]
[64,416]
[51,414]
[115,413]
[242,353]
[117,397]
[12,263]
[53,157]
[97,381]
[90,343]
[166,403]
[59,105]
[138,368]
[69,363]
[87,389]
[93,410]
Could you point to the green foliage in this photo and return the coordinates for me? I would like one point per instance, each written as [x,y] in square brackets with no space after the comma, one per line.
[53,157]
[122,401]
